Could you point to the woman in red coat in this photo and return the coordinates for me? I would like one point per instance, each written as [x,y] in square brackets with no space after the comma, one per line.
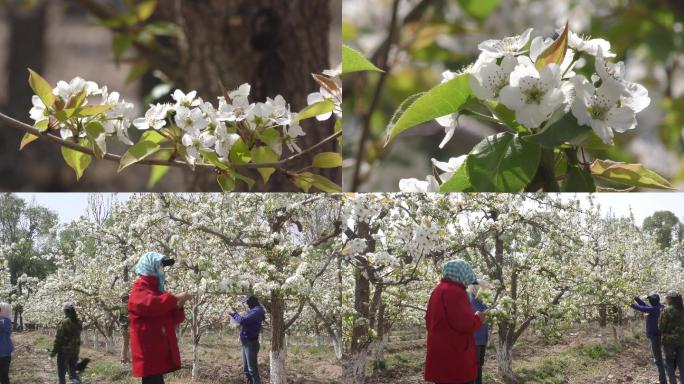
[154,315]
[450,321]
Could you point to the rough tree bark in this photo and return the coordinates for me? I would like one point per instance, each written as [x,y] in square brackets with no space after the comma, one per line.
[278,352]
[274,45]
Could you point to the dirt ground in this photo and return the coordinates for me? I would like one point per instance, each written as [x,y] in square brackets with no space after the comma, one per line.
[220,363]
[578,358]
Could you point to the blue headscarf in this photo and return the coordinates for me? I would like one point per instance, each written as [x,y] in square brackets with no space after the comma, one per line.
[150,264]
[460,272]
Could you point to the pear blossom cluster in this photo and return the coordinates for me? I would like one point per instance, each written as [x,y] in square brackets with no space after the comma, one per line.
[190,123]
[505,72]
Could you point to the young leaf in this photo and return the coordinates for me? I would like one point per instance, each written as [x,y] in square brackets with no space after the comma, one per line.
[444,99]
[247,180]
[145,9]
[41,88]
[26,140]
[304,181]
[327,160]
[42,125]
[226,182]
[635,175]
[240,154]
[402,109]
[159,171]
[555,53]
[478,9]
[96,135]
[503,163]
[313,110]
[92,110]
[506,116]
[325,185]
[138,152]
[264,155]
[78,161]
[153,136]
[353,61]
[559,133]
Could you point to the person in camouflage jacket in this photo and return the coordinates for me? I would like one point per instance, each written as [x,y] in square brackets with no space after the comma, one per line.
[672,328]
[67,345]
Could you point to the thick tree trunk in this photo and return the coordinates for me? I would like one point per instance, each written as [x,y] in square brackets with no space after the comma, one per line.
[355,364]
[274,45]
[603,322]
[504,360]
[381,339]
[278,348]
[196,336]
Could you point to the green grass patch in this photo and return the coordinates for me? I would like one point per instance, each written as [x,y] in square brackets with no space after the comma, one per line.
[107,370]
[550,370]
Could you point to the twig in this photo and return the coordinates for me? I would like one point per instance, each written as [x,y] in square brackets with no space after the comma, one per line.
[356,180]
[12,123]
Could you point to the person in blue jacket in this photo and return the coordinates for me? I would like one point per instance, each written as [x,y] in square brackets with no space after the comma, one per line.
[652,311]
[482,334]
[6,346]
[250,327]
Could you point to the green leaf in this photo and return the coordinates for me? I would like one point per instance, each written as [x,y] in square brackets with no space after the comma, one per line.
[26,140]
[444,99]
[159,171]
[635,175]
[153,136]
[145,9]
[402,109]
[247,180]
[96,135]
[479,9]
[226,182]
[78,161]
[578,179]
[558,134]
[213,158]
[459,181]
[325,185]
[92,110]
[120,45]
[272,138]
[239,153]
[264,155]
[138,152]
[327,160]
[41,88]
[137,72]
[306,180]
[353,61]
[313,110]
[503,163]
[506,116]
[42,125]
[555,53]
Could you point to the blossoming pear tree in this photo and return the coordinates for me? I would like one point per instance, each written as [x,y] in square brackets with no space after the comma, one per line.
[226,138]
[550,112]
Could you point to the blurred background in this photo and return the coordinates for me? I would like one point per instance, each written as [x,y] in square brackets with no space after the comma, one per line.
[274,45]
[430,36]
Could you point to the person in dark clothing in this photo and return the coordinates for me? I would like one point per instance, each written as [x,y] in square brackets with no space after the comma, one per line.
[672,330]
[6,346]
[67,345]
[482,334]
[250,327]
[652,310]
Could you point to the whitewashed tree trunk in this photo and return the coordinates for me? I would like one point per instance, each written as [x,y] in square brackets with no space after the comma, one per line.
[278,343]
[109,343]
[196,335]
[337,346]
[504,360]
[354,368]
[379,350]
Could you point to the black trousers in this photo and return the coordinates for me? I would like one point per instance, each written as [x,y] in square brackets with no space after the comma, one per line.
[157,379]
[4,369]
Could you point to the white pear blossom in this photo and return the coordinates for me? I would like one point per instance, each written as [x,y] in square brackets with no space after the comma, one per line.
[488,78]
[225,141]
[117,119]
[276,111]
[155,117]
[191,121]
[290,134]
[67,90]
[430,184]
[37,112]
[533,95]
[588,45]
[507,46]
[186,100]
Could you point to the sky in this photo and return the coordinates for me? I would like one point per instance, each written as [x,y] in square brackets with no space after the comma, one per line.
[70,206]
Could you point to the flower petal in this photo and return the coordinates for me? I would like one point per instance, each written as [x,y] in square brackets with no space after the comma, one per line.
[621,119]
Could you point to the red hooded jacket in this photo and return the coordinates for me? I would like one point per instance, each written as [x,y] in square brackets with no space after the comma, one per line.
[153,317]
[451,323]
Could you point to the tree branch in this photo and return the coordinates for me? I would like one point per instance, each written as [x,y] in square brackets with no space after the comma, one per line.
[12,123]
